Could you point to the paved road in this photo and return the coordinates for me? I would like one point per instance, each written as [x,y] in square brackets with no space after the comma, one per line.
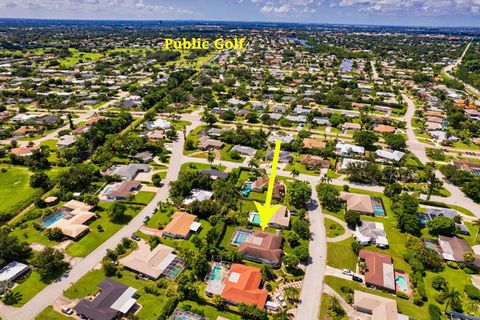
[48,295]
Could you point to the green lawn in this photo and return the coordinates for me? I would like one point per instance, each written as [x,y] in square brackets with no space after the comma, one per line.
[333,228]
[200,166]
[50,314]
[144,197]
[15,190]
[51,143]
[225,155]
[302,169]
[209,311]
[340,255]
[404,306]
[29,288]
[94,238]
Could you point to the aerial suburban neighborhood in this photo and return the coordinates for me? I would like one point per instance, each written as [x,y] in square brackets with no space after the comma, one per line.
[129,171]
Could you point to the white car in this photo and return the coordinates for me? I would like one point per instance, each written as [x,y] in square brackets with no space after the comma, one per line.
[347,272]
[67,310]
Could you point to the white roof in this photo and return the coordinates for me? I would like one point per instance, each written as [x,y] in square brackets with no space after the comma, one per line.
[346,162]
[195,226]
[125,302]
[11,270]
[390,155]
[346,148]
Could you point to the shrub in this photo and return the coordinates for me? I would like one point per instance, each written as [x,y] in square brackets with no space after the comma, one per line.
[452,264]
[434,312]
[417,299]
[402,295]
[439,283]
[356,247]
[440,298]
[472,292]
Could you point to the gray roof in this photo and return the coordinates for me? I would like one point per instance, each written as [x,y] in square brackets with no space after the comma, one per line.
[214,173]
[245,150]
[130,171]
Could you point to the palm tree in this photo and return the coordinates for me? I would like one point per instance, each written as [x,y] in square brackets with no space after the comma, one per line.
[210,157]
[452,295]
[295,173]
[476,223]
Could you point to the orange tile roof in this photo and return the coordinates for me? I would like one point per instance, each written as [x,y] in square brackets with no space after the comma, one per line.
[24,151]
[313,144]
[242,286]
[180,224]
[383,128]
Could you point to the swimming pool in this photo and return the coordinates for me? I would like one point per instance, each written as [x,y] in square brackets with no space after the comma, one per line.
[401,282]
[254,218]
[216,273]
[378,207]
[247,187]
[240,236]
[51,219]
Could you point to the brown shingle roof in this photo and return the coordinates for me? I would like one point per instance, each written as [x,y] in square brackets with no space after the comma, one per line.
[379,270]
[263,246]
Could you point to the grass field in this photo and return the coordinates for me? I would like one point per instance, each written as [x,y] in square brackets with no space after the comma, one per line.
[144,197]
[15,190]
[333,228]
[29,288]
[94,238]
[340,255]
[50,314]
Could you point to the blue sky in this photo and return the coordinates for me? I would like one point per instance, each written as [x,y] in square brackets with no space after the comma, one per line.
[397,12]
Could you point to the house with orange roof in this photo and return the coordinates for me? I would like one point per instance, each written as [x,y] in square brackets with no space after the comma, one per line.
[383,128]
[242,286]
[181,225]
[24,130]
[313,144]
[262,246]
[24,151]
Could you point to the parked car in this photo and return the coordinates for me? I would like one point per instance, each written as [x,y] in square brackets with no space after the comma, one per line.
[135,237]
[146,219]
[347,272]
[67,310]
[357,278]
[280,299]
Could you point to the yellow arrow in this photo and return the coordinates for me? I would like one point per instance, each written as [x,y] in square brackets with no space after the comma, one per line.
[266,211]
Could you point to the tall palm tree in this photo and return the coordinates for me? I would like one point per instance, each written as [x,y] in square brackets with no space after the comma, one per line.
[295,173]
[476,223]
[452,295]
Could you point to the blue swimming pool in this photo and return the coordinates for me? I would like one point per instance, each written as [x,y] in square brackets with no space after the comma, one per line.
[247,187]
[378,207]
[240,236]
[51,219]
[254,218]
[401,283]
[216,273]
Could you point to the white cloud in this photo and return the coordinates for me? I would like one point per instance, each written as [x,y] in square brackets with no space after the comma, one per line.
[414,7]
[282,7]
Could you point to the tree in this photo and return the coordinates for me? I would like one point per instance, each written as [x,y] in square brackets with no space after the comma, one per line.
[109,268]
[295,173]
[452,297]
[334,307]
[228,115]
[292,294]
[352,218]
[302,253]
[40,180]
[301,228]
[55,234]
[299,193]
[433,183]
[11,248]
[392,190]
[291,261]
[395,141]
[200,266]
[476,223]
[356,247]
[157,180]
[235,155]
[293,239]
[441,225]
[439,283]
[49,263]
[469,257]
[117,212]
[209,118]
[267,273]
[219,302]
[210,157]
[408,223]
[365,138]
[11,298]
[329,197]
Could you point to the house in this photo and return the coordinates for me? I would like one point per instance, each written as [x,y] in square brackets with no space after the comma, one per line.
[262,182]
[473,167]
[158,124]
[345,149]
[24,151]
[284,138]
[156,135]
[205,143]
[12,271]
[72,218]
[314,161]
[66,141]
[351,126]
[242,286]
[358,202]
[198,195]
[180,314]
[216,132]
[130,171]
[214,174]
[113,302]
[390,155]
[93,120]
[153,263]
[379,308]
[371,232]
[383,128]
[24,130]
[181,226]
[278,109]
[300,119]
[454,249]
[281,219]
[313,144]
[80,130]
[145,156]
[262,246]
[246,151]
[321,121]
[379,271]
[284,156]
[120,190]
